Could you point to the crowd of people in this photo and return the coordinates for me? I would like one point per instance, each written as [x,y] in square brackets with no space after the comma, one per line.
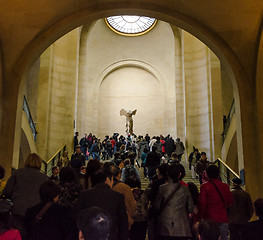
[88,197]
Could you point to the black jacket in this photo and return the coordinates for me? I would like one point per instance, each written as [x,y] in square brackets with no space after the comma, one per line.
[152,159]
[104,197]
[56,224]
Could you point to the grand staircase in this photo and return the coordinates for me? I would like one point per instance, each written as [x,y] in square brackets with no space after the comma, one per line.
[187,178]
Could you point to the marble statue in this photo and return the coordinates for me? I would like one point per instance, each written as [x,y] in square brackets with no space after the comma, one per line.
[129,121]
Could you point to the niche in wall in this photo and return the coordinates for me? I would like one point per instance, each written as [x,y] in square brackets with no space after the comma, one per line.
[130,88]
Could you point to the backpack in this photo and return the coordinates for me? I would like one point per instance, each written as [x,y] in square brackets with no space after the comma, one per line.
[130,171]
[95,148]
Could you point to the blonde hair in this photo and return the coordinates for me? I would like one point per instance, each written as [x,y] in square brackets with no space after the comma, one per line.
[33,161]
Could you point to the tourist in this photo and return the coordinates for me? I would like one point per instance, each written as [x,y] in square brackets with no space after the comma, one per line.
[78,160]
[94,224]
[193,159]
[240,212]
[102,196]
[152,162]
[64,159]
[201,166]
[48,219]
[129,171]
[7,228]
[208,230]
[126,191]
[23,187]
[143,164]
[173,203]
[254,229]
[215,198]
[179,148]
[84,142]
[139,227]
[76,141]
[70,189]
[169,145]
[55,171]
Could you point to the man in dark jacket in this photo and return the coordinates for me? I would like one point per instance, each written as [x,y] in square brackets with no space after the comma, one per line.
[102,196]
[254,229]
[201,166]
[152,162]
[193,159]
[240,212]
[169,145]
[77,161]
[76,141]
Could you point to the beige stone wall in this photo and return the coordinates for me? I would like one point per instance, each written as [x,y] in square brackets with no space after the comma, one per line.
[203,97]
[103,51]
[130,88]
[57,95]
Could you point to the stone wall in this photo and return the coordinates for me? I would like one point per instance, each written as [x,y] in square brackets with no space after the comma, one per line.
[57,95]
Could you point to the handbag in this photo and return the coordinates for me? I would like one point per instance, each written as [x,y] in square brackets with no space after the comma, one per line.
[154,213]
[219,193]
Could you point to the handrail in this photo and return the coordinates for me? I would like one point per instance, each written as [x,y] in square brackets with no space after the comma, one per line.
[29,118]
[62,148]
[221,161]
[226,173]
[47,165]
[227,120]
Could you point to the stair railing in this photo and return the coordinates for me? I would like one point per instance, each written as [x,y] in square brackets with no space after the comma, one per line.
[226,173]
[29,118]
[47,165]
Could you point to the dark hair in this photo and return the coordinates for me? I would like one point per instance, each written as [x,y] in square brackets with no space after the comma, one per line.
[94,223]
[133,182]
[117,155]
[208,230]
[154,148]
[115,170]
[78,146]
[259,207]
[2,172]
[66,175]
[163,169]
[93,166]
[203,153]
[49,190]
[54,168]
[194,192]
[100,176]
[6,219]
[212,171]
[146,150]
[175,172]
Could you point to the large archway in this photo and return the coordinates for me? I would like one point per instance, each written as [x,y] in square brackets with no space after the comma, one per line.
[225,54]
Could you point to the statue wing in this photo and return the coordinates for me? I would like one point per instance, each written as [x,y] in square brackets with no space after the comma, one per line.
[134,112]
[123,112]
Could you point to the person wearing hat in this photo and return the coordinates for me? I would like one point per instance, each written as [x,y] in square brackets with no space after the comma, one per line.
[241,211]
[7,230]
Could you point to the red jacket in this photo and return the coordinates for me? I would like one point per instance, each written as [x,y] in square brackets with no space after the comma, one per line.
[210,205]
[113,143]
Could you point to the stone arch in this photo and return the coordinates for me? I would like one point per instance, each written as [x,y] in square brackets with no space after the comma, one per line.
[243,91]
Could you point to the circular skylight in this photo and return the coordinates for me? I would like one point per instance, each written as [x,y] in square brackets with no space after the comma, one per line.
[130,25]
